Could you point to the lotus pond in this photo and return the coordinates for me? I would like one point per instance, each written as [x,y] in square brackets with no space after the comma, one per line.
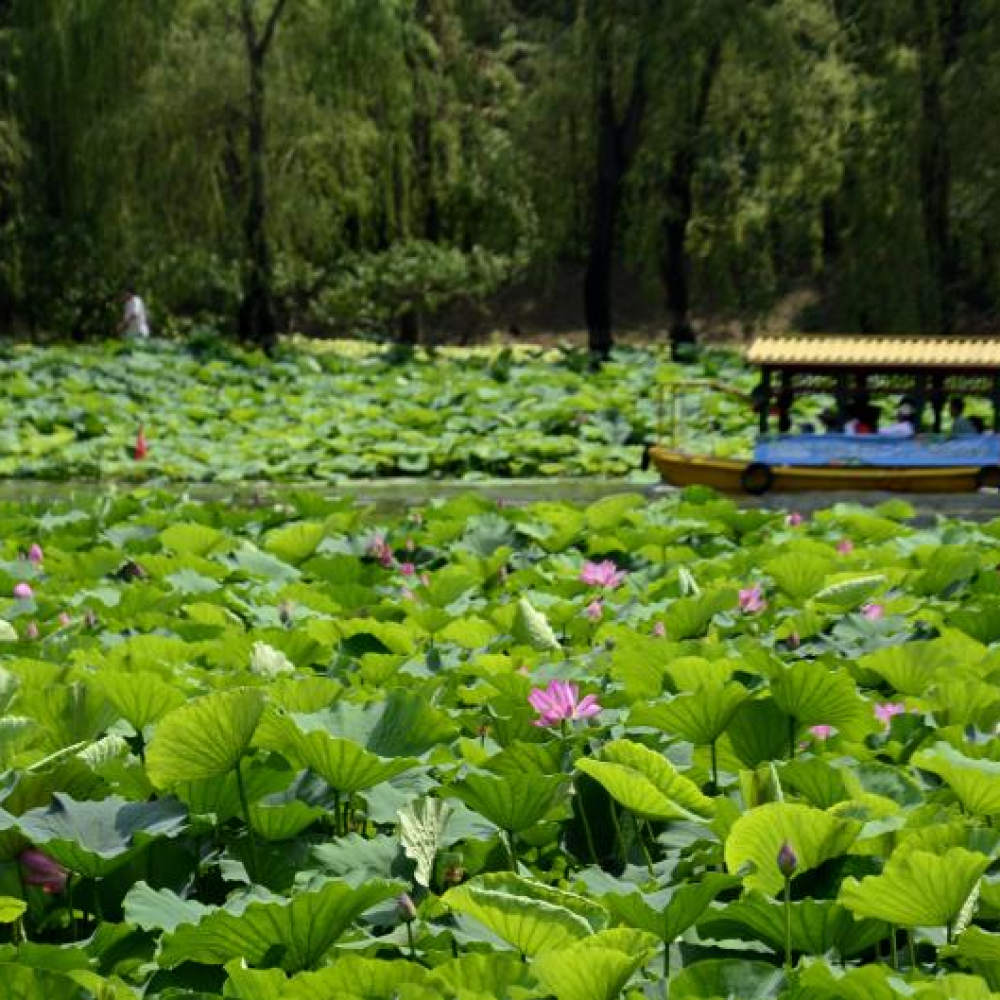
[339,411]
[473,751]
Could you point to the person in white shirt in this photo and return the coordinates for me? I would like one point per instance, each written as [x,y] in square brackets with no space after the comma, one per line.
[905,425]
[134,323]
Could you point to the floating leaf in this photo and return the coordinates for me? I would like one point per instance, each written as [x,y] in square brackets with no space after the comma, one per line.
[514,802]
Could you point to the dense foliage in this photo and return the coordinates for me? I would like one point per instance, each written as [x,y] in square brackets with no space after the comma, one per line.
[229,415]
[473,752]
[421,153]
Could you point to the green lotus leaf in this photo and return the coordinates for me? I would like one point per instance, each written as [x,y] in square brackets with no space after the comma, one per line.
[160,909]
[689,617]
[22,983]
[670,912]
[758,835]
[421,826]
[11,909]
[349,976]
[851,590]
[916,888]
[976,783]
[646,783]
[284,821]
[818,926]
[700,717]
[191,539]
[482,977]
[93,838]
[811,694]
[530,917]
[204,739]
[514,802]
[291,934]
[759,732]
[531,628]
[799,574]
[140,698]
[342,763]
[911,668]
[294,543]
[722,978]
[596,968]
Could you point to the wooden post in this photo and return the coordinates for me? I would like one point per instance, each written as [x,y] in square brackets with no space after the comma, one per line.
[843,399]
[763,394]
[937,400]
[919,399]
[995,399]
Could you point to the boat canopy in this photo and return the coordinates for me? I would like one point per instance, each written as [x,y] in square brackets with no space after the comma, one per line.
[928,370]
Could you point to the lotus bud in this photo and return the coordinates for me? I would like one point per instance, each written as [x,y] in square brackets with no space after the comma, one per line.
[406,908]
[31,630]
[35,553]
[788,860]
[23,591]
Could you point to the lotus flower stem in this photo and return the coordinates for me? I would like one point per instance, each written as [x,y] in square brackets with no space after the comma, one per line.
[587,832]
[788,924]
[892,947]
[245,805]
[508,840]
[645,846]
[619,839]
[409,939]
[715,768]
[70,907]
[911,947]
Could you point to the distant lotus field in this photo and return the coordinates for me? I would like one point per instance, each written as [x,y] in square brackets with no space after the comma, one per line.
[473,751]
[341,411]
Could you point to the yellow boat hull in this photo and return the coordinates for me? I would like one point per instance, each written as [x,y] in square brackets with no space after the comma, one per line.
[729,476]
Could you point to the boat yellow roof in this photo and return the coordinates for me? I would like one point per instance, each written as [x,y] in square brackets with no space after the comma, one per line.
[790,350]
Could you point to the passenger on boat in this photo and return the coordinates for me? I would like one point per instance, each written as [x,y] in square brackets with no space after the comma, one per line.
[864,418]
[905,425]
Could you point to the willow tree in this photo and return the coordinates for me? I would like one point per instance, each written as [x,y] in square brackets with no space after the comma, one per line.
[256,318]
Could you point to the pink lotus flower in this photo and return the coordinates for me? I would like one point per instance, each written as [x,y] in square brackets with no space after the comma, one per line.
[603,574]
[64,619]
[407,569]
[752,600]
[560,702]
[35,553]
[594,611]
[845,546]
[23,591]
[381,550]
[659,630]
[885,711]
[823,731]
[794,519]
[39,869]
[873,612]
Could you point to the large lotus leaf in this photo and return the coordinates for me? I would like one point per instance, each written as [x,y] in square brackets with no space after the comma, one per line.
[646,783]
[916,888]
[404,724]
[758,835]
[689,617]
[947,565]
[725,978]
[191,539]
[16,732]
[851,590]
[529,916]
[92,838]
[421,826]
[531,628]
[965,703]
[140,698]
[981,620]
[910,668]
[291,934]
[355,859]
[977,945]
[691,673]
[956,986]
[822,981]
[976,783]
[817,926]
[350,976]
[482,977]
[596,968]
[811,694]
[342,763]
[700,717]
[758,732]
[821,783]
[669,912]
[799,574]
[513,802]
[160,909]
[285,820]
[294,543]
[204,739]
[22,983]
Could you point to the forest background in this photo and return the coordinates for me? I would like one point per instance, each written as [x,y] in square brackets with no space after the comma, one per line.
[432,168]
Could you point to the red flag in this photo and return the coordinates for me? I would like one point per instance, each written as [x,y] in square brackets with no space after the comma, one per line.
[141,446]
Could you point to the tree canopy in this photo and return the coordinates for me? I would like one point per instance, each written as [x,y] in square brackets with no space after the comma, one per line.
[423,154]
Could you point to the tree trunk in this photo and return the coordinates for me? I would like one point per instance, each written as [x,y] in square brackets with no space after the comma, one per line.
[941,26]
[256,317]
[616,145]
[675,267]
